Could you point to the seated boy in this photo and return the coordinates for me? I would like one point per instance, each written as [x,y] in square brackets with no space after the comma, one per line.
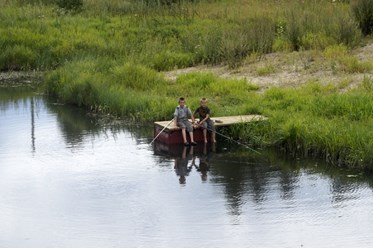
[204,120]
[181,115]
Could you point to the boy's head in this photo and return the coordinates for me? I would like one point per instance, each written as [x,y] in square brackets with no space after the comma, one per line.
[181,101]
[203,102]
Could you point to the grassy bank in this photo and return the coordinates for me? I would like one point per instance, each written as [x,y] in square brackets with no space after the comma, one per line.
[111,56]
[314,120]
[43,36]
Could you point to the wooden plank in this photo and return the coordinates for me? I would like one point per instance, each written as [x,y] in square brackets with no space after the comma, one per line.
[219,121]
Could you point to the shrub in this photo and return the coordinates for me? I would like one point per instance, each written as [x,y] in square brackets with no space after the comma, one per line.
[363,10]
[265,70]
[70,4]
[168,61]
[351,64]
[136,77]
[17,57]
[367,84]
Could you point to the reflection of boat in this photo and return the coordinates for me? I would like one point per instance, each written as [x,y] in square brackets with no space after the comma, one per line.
[174,150]
[172,134]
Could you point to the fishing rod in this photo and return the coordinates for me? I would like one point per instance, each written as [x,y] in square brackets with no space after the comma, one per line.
[229,138]
[161,132]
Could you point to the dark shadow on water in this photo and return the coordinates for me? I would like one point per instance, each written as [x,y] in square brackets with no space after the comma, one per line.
[74,123]
[184,164]
[186,158]
[77,124]
[240,174]
[246,176]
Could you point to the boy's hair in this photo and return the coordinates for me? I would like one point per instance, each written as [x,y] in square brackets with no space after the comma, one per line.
[203,99]
[181,99]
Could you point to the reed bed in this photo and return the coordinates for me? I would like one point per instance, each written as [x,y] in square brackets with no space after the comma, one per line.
[41,35]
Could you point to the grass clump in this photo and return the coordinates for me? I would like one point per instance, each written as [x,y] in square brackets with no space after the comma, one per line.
[341,60]
[265,70]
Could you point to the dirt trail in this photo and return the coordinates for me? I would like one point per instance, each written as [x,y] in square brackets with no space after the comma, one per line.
[289,69]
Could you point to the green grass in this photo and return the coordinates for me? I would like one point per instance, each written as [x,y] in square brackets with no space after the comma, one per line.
[164,38]
[314,120]
[109,58]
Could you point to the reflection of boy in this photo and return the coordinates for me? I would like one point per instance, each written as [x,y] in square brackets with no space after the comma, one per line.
[204,167]
[204,120]
[181,166]
[181,115]
[204,163]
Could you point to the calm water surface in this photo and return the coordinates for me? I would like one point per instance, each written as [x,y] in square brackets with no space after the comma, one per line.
[70,180]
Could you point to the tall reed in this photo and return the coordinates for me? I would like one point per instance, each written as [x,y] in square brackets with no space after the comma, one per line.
[162,39]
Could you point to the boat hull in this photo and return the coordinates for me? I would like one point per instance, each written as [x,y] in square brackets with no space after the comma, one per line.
[170,134]
[174,136]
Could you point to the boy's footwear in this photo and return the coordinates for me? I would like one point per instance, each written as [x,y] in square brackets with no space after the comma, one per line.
[186,144]
[194,143]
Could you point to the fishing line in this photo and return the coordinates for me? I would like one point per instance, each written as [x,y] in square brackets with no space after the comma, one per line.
[229,138]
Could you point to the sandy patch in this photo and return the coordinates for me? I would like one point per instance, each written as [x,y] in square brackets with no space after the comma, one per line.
[289,69]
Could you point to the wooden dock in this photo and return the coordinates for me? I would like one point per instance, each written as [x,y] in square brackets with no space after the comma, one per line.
[172,134]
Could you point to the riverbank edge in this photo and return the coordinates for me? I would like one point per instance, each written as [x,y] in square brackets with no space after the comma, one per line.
[19,78]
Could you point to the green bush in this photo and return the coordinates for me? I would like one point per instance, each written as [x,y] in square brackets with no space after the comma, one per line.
[363,10]
[70,4]
[136,77]
[265,70]
[17,57]
[169,61]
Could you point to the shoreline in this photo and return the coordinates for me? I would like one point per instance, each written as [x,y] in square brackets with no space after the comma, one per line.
[18,78]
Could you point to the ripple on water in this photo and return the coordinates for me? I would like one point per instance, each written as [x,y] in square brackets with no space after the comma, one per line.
[71,183]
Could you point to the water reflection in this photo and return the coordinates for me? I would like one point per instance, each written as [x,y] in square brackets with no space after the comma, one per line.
[203,167]
[102,179]
[187,158]
[74,124]
[184,164]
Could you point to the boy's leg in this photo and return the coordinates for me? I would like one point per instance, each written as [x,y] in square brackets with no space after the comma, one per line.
[211,128]
[183,133]
[189,128]
[205,129]
[213,136]
[191,137]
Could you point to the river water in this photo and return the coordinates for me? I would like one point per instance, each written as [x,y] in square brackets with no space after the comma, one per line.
[68,179]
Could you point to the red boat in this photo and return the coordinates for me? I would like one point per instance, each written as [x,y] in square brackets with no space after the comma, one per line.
[171,134]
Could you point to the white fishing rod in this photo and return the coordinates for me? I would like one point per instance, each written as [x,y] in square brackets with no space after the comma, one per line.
[161,132]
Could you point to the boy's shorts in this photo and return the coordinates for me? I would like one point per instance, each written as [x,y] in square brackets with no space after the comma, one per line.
[185,124]
[209,125]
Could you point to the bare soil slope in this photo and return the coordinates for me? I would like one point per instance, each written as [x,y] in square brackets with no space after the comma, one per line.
[290,69]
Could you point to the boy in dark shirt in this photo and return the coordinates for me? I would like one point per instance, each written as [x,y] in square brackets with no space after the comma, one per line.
[204,120]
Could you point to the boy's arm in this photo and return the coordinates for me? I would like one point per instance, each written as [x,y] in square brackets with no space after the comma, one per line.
[192,116]
[207,116]
[175,117]
[204,119]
